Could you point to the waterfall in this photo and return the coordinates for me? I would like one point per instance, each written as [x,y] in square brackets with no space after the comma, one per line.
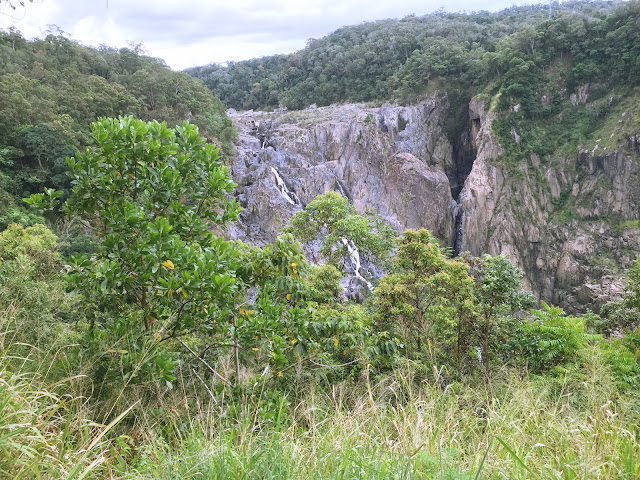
[341,189]
[458,227]
[354,256]
[288,195]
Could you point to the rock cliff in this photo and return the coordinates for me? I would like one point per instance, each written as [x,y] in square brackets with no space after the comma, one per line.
[392,159]
[570,222]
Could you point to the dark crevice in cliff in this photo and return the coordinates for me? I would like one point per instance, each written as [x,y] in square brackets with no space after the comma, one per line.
[464,155]
[456,241]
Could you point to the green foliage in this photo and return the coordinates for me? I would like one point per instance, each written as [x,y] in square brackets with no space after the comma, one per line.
[38,428]
[31,286]
[66,86]
[152,194]
[28,256]
[548,339]
[498,292]
[402,58]
[500,283]
[632,292]
[52,89]
[324,284]
[331,217]
[279,266]
[45,201]
[296,317]
[310,371]
[622,315]
[37,242]
[623,357]
[268,329]
[425,298]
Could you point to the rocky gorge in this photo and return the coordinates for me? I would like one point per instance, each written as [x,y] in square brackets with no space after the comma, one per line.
[570,222]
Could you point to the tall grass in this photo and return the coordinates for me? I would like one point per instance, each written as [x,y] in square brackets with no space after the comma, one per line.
[566,428]
[43,432]
[573,425]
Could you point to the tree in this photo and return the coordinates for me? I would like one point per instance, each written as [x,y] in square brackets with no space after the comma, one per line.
[273,274]
[152,194]
[331,217]
[550,338]
[298,314]
[426,294]
[31,286]
[498,290]
[324,284]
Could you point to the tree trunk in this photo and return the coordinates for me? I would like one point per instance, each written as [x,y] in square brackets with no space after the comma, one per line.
[486,347]
[145,305]
[236,349]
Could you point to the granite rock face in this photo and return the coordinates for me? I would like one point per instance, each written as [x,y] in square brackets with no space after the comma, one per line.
[571,224]
[392,159]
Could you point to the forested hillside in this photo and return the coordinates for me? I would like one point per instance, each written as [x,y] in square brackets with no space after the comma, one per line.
[143,335]
[511,51]
[52,89]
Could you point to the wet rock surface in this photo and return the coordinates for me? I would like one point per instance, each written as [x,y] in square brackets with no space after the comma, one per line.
[571,224]
[390,158]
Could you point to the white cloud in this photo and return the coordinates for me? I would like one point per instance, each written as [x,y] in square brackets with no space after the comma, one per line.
[197,32]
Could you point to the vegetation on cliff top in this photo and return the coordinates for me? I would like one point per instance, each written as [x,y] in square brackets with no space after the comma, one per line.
[378,61]
[52,89]
[560,84]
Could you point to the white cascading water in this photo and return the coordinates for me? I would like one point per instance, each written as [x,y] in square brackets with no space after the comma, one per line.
[288,195]
[341,188]
[354,256]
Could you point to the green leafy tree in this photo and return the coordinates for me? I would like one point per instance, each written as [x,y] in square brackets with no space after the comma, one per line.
[36,242]
[265,329]
[426,296]
[33,301]
[286,312]
[498,291]
[549,338]
[332,218]
[324,284]
[152,194]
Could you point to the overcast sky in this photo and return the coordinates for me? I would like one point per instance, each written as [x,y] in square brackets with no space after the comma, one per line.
[186,33]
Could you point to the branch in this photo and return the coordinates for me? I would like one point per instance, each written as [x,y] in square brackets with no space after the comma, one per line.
[308,359]
[201,360]
[332,366]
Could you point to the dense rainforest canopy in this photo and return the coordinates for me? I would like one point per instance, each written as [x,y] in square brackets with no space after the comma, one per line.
[51,89]
[512,50]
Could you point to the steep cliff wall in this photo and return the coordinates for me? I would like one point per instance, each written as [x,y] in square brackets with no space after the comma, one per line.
[569,221]
[392,159]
